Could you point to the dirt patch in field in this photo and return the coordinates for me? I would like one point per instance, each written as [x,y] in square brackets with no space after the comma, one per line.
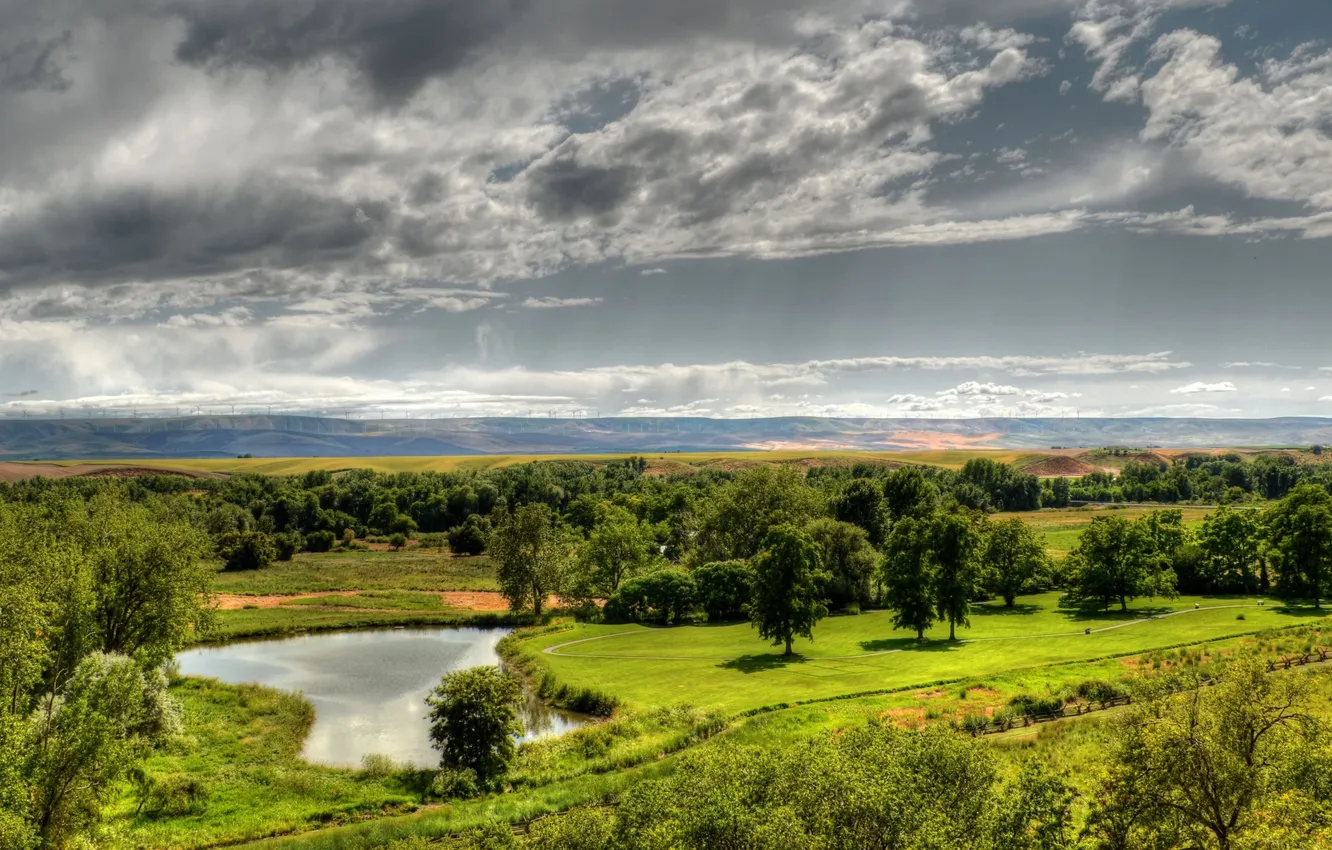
[930,695]
[1059,466]
[473,600]
[932,441]
[904,718]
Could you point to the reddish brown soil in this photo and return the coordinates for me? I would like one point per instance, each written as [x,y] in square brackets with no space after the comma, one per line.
[1060,466]
[474,600]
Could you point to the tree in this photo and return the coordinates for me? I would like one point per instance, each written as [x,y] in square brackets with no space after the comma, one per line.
[384,517]
[909,576]
[1300,530]
[1014,557]
[848,559]
[397,541]
[861,504]
[616,549]
[470,537]
[106,719]
[531,557]
[246,550]
[906,493]
[955,549]
[724,589]
[474,721]
[1197,765]
[788,599]
[1114,562]
[666,597]
[736,520]
[1230,541]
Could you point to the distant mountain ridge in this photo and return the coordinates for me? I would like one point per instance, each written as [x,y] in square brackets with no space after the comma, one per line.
[306,436]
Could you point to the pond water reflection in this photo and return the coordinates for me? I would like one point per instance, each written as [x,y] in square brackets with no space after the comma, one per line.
[368,688]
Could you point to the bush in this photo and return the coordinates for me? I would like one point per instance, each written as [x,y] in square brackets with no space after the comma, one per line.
[665,597]
[1037,705]
[454,784]
[246,550]
[975,724]
[397,541]
[378,765]
[172,795]
[1100,690]
[470,537]
[287,545]
[319,541]
[724,589]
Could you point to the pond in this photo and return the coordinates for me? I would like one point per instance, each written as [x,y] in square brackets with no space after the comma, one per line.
[368,688]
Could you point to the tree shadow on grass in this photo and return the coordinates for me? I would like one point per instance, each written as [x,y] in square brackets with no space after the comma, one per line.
[762,663]
[1113,615]
[989,609]
[910,644]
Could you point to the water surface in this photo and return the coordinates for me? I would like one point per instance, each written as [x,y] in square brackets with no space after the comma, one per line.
[368,688]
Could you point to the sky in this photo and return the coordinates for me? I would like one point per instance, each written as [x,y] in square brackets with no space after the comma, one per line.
[726,208]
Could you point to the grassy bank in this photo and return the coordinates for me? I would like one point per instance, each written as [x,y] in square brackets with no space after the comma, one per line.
[277,622]
[415,569]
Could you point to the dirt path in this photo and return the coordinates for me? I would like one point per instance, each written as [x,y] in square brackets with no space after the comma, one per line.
[475,600]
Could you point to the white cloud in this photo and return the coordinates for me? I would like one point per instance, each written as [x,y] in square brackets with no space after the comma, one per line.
[1200,387]
[972,388]
[558,303]
[652,272]
[1263,135]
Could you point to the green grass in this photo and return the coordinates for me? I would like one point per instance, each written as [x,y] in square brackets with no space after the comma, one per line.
[376,600]
[276,622]
[363,569]
[729,667]
[1062,527]
[243,743]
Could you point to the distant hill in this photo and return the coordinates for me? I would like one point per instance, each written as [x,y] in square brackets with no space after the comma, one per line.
[304,436]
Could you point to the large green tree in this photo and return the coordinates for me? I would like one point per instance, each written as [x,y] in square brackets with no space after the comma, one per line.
[788,587]
[1115,561]
[735,522]
[1014,558]
[531,556]
[848,559]
[861,504]
[1193,769]
[955,545]
[474,720]
[907,493]
[908,576]
[617,548]
[1230,540]
[1299,529]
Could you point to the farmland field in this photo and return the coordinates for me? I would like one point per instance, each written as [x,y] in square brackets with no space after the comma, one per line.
[1061,528]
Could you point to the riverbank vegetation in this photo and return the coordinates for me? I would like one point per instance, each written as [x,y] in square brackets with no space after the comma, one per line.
[907,617]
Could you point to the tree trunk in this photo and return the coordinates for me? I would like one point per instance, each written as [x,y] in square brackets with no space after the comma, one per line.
[1009,600]
[952,629]
[1123,604]
[920,634]
[789,653]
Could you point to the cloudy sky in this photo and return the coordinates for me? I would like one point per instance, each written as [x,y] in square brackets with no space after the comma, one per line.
[703,207]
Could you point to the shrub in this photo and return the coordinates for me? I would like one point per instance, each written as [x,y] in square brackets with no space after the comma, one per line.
[171,795]
[666,597]
[1100,690]
[287,545]
[724,589]
[319,541]
[1037,705]
[397,541]
[453,784]
[246,550]
[975,724]
[377,765]
[470,537]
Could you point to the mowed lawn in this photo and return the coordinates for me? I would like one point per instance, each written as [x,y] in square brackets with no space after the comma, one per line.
[1061,527]
[730,667]
[360,569]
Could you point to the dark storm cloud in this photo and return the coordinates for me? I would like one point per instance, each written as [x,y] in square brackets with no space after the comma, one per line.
[145,234]
[564,189]
[35,64]
[395,45]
